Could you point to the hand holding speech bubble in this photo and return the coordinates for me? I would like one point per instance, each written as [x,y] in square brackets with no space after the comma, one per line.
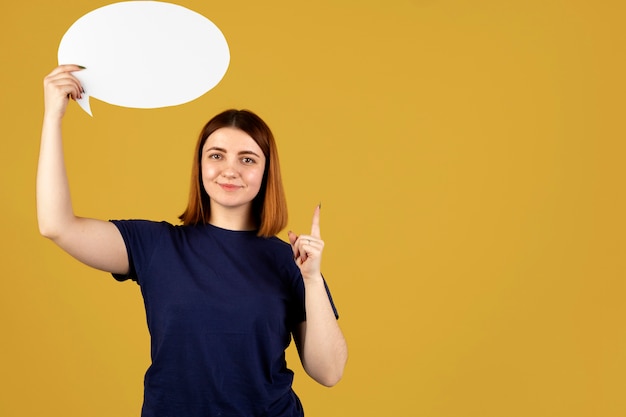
[145,54]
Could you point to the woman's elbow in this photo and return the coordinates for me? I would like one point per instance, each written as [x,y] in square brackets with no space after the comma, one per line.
[330,376]
[55,228]
[331,379]
[48,230]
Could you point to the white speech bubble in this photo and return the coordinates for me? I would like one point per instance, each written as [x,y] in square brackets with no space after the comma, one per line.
[145,54]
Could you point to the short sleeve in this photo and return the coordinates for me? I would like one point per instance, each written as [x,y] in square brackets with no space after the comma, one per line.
[141,238]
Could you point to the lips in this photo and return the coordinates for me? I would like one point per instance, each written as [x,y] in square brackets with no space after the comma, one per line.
[229,187]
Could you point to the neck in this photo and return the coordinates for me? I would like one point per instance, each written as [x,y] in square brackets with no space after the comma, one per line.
[232,218]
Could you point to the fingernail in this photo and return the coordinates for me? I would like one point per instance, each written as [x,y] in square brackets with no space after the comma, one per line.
[81,67]
[320,205]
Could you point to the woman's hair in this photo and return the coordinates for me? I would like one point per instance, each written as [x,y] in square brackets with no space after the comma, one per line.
[269,207]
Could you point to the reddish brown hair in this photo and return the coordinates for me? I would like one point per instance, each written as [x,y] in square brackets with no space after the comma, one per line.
[269,207]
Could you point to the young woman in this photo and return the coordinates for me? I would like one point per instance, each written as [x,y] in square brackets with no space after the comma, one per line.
[223,295]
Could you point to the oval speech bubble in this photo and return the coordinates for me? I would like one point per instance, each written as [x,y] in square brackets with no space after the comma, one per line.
[145,54]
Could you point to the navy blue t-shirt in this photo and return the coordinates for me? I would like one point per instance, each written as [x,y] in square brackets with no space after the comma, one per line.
[220,306]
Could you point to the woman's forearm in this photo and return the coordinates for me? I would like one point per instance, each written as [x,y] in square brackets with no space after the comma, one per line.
[324,349]
[54,205]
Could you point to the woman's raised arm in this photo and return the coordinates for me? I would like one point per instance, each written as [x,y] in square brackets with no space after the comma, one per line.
[96,243]
[320,342]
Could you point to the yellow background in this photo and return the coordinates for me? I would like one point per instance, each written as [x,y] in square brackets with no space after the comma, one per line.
[469,156]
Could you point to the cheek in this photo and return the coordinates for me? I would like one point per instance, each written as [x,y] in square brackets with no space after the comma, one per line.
[207,171]
[255,178]
[207,178]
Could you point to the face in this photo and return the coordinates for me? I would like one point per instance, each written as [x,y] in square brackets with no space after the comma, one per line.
[232,167]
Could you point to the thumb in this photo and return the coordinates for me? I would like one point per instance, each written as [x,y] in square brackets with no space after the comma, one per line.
[292,237]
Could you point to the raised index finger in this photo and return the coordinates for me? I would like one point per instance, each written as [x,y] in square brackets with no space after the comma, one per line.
[315,226]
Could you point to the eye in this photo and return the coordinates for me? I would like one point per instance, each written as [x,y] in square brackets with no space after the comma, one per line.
[247,160]
[215,156]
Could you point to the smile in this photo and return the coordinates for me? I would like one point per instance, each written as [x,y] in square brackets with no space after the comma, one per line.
[230,187]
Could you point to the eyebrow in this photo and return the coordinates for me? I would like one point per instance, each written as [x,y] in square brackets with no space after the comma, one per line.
[217,148]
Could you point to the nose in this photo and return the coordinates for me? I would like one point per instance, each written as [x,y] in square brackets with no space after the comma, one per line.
[229,171]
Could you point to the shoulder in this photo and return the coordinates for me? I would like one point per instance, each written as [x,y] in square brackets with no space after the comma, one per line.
[277,245]
[282,254]
[133,229]
[276,242]
[141,224]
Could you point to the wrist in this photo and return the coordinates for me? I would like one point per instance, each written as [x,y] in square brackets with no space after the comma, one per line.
[51,116]
[313,278]
[52,119]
